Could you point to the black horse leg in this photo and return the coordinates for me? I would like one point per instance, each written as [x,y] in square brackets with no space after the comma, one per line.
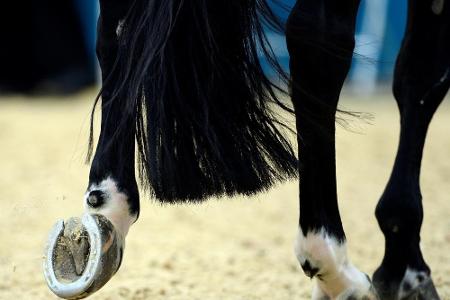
[112,189]
[320,37]
[84,254]
[422,78]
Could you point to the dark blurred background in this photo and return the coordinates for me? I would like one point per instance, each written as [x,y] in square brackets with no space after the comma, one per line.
[48,46]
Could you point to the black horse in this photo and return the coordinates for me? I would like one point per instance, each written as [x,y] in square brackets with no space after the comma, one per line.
[182,79]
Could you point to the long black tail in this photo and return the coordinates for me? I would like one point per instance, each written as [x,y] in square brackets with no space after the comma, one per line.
[201,102]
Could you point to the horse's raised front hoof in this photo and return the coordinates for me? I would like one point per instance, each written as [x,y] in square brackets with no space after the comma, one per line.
[82,255]
[415,285]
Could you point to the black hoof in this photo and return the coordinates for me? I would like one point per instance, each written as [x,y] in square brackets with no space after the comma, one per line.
[81,256]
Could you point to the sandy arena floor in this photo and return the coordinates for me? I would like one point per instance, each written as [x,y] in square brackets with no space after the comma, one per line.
[233,249]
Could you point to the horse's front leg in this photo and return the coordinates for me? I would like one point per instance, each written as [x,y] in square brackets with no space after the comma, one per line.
[320,36]
[421,81]
[83,254]
[112,189]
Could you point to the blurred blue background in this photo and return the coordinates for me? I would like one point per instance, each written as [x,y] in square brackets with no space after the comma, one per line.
[380,28]
[88,11]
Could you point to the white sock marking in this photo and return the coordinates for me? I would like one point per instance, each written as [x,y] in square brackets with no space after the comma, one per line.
[115,208]
[412,279]
[338,277]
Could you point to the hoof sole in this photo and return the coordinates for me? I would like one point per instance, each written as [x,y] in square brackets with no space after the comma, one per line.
[81,256]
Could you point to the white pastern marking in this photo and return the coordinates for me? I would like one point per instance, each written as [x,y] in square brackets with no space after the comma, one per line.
[411,280]
[115,208]
[338,277]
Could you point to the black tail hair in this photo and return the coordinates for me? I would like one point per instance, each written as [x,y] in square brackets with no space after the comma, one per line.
[201,103]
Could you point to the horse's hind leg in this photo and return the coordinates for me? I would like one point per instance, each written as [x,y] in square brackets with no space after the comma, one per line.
[422,78]
[320,36]
[84,254]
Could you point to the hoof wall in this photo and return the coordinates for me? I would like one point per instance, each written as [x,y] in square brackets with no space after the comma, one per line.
[81,256]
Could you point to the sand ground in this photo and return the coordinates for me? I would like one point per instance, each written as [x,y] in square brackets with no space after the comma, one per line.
[231,249]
